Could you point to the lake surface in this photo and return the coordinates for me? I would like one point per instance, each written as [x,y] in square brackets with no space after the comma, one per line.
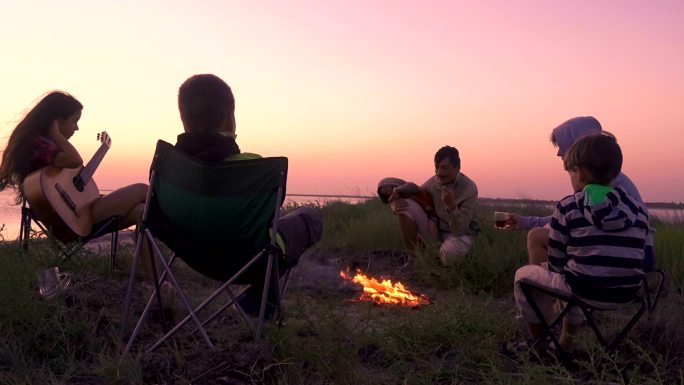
[10,213]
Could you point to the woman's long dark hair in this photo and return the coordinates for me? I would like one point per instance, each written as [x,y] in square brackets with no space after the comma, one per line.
[16,160]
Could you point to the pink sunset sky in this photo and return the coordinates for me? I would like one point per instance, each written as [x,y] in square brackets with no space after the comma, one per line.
[353,91]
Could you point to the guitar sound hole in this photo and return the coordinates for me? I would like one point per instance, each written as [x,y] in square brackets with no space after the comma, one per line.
[79,184]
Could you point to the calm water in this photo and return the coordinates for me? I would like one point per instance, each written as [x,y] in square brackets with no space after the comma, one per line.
[10,214]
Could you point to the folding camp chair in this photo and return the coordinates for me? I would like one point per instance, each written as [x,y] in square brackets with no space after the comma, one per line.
[588,308]
[221,220]
[66,250]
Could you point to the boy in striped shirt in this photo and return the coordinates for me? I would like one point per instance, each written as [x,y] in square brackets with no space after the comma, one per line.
[596,242]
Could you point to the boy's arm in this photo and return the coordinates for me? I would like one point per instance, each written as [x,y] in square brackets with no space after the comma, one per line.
[558,241]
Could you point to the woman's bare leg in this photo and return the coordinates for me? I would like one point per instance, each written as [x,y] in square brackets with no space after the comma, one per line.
[128,203]
[537,245]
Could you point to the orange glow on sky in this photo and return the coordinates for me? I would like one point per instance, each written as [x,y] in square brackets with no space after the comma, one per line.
[352,91]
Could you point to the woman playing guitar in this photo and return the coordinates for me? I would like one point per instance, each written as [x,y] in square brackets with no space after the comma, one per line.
[42,139]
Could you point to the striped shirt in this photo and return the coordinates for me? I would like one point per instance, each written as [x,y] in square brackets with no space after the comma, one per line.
[600,248]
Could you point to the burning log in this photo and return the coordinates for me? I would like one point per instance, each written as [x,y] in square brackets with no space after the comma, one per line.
[385,292]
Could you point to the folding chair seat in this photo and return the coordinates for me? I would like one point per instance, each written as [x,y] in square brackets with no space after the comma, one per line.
[108,226]
[588,308]
[221,220]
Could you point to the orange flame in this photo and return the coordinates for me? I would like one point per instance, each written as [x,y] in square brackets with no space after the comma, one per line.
[385,291]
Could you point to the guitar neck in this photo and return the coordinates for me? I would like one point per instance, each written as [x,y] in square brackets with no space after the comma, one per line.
[87,173]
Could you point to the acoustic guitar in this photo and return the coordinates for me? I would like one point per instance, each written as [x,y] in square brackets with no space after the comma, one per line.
[62,198]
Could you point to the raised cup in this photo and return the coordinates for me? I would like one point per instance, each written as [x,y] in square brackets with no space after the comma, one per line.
[500,219]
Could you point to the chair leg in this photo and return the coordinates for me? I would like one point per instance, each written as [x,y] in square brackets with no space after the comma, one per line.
[652,299]
[131,280]
[142,319]
[285,281]
[27,218]
[264,295]
[271,268]
[24,227]
[614,343]
[275,282]
[175,284]
[148,306]
[548,328]
[27,234]
[192,313]
[224,287]
[113,248]
[589,316]
[233,299]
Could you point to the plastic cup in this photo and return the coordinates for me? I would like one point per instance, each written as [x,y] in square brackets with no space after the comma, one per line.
[51,281]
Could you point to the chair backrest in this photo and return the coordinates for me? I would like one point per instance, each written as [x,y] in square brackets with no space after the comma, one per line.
[204,212]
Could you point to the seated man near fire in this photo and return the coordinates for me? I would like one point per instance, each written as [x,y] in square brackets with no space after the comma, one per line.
[442,209]
[207,110]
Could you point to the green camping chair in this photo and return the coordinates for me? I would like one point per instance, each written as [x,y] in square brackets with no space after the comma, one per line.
[220,220]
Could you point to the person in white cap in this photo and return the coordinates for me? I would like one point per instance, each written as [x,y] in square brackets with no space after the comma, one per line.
[564,136]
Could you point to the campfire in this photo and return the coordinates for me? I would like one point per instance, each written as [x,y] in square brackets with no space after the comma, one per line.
[385,292]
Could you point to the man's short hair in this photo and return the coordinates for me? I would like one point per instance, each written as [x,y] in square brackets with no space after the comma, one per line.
[205,102]
[448,152]
[598,154]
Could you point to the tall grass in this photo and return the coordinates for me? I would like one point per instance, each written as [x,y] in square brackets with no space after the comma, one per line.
[365,226]
[326,337]
[45,340]
[371,226]
[669,251]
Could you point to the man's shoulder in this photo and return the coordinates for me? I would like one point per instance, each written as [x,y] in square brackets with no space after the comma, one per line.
[622,181]
[467,180]
[467,183]
[243,156]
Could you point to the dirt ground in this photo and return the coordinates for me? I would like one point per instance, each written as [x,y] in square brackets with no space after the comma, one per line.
[235,362]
